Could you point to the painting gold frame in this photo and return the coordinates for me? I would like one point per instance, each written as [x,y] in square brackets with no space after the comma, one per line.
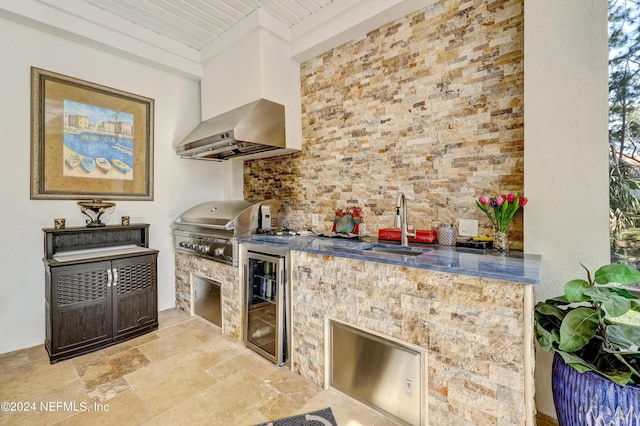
[89,141]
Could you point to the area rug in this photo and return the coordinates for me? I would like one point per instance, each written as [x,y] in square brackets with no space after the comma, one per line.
[316,418]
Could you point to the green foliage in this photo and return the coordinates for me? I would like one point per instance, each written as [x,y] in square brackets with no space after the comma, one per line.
[577,328]
[624,115]
[579,325]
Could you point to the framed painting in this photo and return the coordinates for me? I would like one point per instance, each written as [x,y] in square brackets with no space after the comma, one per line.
[89,141]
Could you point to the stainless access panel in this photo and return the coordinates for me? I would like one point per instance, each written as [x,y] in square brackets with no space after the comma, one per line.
[206,300]
[378,372]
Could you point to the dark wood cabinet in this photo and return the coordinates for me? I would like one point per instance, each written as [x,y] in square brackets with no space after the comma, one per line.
[135,295]
[101,288]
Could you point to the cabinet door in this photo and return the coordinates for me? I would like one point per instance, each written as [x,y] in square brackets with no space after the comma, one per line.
[80,308]
[135,291]
[265,329]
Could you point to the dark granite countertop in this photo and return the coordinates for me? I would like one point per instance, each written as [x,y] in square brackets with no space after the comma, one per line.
[515,266]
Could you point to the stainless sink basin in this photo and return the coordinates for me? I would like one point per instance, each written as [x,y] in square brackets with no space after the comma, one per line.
[404,250]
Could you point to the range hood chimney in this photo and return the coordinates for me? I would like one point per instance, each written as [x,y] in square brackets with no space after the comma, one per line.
[251,129]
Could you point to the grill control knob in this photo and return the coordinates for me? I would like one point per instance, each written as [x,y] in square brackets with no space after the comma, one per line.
[204,249]
[218,251]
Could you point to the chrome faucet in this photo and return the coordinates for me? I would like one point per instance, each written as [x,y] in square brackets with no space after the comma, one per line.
[401,211]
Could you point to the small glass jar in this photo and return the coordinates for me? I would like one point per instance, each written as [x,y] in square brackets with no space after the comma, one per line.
[501,241]
[447,234]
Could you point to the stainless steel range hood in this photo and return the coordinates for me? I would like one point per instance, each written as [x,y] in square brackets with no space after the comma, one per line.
[251,129]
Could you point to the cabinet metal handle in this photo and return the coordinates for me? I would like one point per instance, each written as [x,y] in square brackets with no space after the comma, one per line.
[109,278]
[115,276]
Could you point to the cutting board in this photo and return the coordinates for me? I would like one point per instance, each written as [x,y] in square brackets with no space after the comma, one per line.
[422,236]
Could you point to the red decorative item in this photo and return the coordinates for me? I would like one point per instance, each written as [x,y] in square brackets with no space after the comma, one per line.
[422,236]
[347,221]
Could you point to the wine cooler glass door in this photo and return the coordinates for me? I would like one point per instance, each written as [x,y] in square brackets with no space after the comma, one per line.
[264,328]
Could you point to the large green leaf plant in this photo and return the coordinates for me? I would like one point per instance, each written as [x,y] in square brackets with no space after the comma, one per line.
[580,325]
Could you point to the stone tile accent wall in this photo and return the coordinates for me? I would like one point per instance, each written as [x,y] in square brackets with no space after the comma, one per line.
[430,105]
[230,289]
[472,328]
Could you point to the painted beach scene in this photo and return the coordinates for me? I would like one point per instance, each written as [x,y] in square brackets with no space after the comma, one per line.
[98,142]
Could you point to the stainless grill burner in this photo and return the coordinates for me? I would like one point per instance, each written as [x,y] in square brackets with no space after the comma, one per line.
[210,229]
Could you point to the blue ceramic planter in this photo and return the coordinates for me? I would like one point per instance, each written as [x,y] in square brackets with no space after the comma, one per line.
[588,399]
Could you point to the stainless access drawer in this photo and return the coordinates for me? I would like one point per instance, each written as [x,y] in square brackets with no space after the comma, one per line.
[378,372]
[206,300]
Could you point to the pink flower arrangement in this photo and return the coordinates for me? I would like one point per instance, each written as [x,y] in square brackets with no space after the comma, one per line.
[504,207]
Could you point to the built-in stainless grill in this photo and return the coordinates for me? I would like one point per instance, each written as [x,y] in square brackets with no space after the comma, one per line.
[210,229]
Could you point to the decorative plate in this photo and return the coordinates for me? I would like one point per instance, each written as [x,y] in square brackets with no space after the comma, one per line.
[347,221]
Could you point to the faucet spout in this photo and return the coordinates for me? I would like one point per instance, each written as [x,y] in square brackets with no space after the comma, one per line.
[401,206]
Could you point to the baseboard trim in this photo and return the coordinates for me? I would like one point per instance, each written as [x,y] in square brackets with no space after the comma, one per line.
[544,420]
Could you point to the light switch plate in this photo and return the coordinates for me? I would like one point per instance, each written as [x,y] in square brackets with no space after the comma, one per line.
[468,228]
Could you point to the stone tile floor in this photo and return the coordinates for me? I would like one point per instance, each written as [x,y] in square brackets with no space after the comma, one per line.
[187,372]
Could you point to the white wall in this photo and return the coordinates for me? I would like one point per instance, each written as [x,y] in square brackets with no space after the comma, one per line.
[249,62]
[566,163]
[179,183]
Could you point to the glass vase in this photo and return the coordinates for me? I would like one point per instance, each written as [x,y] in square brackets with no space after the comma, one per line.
[501,241]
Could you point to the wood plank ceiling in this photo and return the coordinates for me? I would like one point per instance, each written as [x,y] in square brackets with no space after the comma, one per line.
[197,23]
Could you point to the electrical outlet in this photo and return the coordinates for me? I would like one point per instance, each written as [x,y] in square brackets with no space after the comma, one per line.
[468,228]
[314,219]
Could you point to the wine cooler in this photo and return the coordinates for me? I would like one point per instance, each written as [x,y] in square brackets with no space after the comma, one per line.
[265,327]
